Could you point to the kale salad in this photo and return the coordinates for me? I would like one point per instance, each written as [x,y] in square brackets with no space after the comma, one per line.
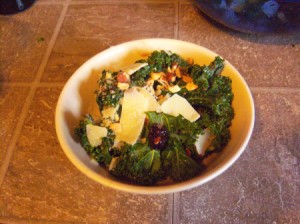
[160,118]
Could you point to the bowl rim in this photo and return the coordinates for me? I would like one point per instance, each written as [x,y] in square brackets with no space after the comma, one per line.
[159,189]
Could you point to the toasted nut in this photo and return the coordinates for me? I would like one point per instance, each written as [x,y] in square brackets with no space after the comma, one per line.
[187,79]
[178,72]
[163,82]
[106,122]
[191,86]
[157,92]
[108,75]
[190,61]
[123,86]
[170,77]
[115,127]
[174,67]
[109,111]
[113,163]
[174,89]
[156,75]
[159,87]
[123,77]
[117,118]
[150,82]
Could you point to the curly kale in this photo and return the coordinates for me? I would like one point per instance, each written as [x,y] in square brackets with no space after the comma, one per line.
[179,128]
[109,94]
[158,61]
[139,77]
[178,158]
[213,100]
[140,164]
[178,164]
[161,60]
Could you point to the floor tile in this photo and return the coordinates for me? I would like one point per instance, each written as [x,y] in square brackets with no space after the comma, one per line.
[280,55]
[263,185]
[41,184]
[11,102]
[89,29]
[23,41]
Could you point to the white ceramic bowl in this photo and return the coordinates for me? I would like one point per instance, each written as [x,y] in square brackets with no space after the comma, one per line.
[78,98]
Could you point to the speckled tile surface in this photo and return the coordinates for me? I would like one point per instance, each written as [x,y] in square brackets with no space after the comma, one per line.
[21,47]
[38,184]
[11,103]
[41,183]
[263,185]
[88,29]
[262,60]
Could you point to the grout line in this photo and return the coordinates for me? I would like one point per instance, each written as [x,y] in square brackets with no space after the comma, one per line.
[11,220]
[175,217]
[61,84]
[275,89]
[16,84]
[176,19]
[51,45]
[186,2]
[118,2]
[51,84]
[171,207]
[173,195]
[29,98]
[53,2]
[29,84]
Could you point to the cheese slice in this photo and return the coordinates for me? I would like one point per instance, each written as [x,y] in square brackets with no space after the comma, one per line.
[95,134]
[203,141]
[132,117]
[134,67]
[176,105]
[153,105]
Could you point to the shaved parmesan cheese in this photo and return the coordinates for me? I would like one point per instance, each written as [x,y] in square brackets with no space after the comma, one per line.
[134,67]
[176,105]
[95,134]
[203,142]
[153,105]
[132,116]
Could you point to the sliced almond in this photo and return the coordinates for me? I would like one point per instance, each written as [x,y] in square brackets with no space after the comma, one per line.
[174,89]
[191,86]
[107,75]
[174,67]
[187,79]
[156,75]
[123,86]
[113,163]
[190,61]
[178,72]
[115,127]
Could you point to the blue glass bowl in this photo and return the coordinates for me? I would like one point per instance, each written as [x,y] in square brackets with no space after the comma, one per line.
[254,16]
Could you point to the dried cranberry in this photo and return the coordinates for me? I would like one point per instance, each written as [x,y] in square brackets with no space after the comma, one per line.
[158,136]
